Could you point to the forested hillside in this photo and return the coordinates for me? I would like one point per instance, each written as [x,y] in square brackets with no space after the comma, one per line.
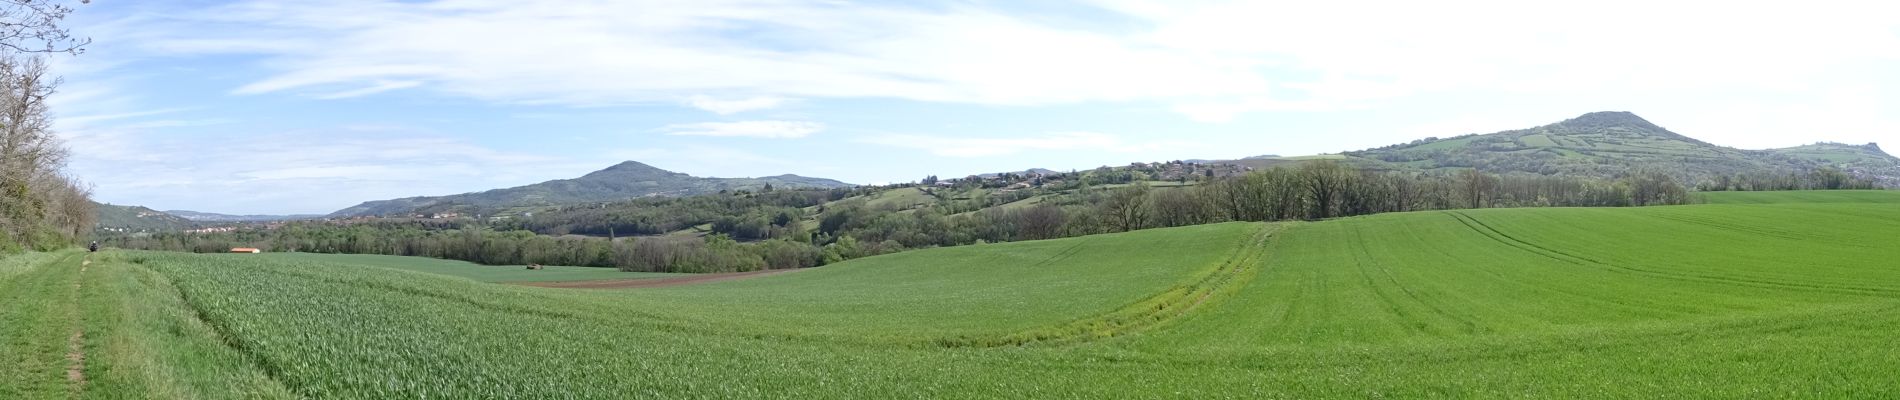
[628,180]
[1866,160]
[1612,144]
[135,219]
[196,216]
[41,207]
[640,218]
[745,231]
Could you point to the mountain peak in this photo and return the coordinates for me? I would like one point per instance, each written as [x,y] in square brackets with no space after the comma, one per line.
[630,170]
[1609,119]
[623,181]
[632,166]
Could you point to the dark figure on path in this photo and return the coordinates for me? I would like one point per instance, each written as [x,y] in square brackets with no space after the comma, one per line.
[95,247]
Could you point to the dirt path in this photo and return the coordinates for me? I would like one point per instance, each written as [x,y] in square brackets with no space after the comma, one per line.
[656,282]
[76,344]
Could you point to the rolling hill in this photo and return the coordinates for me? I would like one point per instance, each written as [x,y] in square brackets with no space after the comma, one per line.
[1609,144]
[1599,144]
[1786,296]
[1866,160]
[133,219]
[625,181]
[215,217]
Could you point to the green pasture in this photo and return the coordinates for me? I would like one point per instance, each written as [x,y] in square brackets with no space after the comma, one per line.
[464,269]
[1813,196]
[1782,295]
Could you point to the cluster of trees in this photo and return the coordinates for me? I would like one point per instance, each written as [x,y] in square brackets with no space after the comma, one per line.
[744,215]
[41,207]
[767,230]
[1312,191]
[1826,178]
[469,241]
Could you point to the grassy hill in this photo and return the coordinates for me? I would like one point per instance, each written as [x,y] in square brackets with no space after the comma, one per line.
[463,269]
[1600,144]
[627,180]
[1860,160]
[1791,298]
[1816,196]
[1608,144]
[133,219]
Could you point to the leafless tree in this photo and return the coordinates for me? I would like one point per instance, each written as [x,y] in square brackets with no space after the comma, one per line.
[1127,207]
[1325,182]
[38,203]
[1478,188]
[33,26]
[1042,222]
[29,150]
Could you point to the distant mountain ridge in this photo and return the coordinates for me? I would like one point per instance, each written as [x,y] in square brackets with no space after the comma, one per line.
[216,217]
[1612,143]
[134,219]
[1606,144]
[623,181]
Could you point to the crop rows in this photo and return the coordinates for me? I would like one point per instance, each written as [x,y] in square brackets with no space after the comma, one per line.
[1725,301]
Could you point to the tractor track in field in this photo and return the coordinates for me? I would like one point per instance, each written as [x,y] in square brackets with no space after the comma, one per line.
[76,344]
[1154,311]
[1574,259]
[656,282]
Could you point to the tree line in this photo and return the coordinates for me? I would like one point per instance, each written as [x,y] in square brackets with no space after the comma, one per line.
[805,228]
[1827,178]
[469,241]
[41,207]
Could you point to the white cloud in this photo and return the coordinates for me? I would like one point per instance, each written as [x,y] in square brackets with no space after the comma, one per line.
[1226,110]
[719,161]
[950,146]
[298,172]
[379,87]
[616,52]
[754,129]
[80,121]
[728,107]
[1209,60]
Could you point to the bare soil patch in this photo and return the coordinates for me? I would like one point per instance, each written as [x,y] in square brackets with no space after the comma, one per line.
[76,345]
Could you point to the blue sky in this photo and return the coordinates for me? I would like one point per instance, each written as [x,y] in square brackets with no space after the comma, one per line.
[312,106]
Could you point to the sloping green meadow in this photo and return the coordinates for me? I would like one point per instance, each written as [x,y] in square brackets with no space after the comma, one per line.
[1815,196]
[484,273]
[1793,300]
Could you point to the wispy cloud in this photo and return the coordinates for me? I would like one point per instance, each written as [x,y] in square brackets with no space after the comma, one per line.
[734,106]
[302,172]
[573,66]
[379,87]
[753,129]
[714,161]
[80,121]
[950,146]
[587,53]
[1210,60]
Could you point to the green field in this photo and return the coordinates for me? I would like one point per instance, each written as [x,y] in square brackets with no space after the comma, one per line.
[1817,196]
[1795,297]
[901,199]
[484,273]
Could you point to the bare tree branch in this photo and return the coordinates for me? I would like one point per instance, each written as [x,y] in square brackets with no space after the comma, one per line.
[32,26]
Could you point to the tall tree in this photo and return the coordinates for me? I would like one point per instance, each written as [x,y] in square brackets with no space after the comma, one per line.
[1127,207]
[1477,188]
[38,206]
[1324,183]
